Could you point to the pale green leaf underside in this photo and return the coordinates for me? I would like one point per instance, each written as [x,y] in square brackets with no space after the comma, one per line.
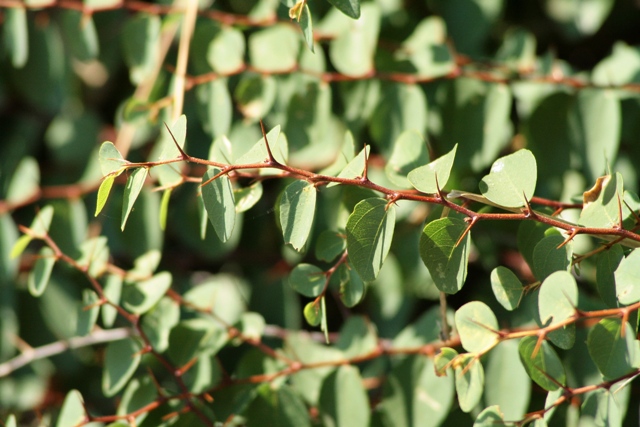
[429,178]
[131,193]
[512,179]
[219,202]
[506,287]
[355,167]
[297,207]
[477,326]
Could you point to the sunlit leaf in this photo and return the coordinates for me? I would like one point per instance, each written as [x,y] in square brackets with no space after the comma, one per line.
[512,179]
[297,206]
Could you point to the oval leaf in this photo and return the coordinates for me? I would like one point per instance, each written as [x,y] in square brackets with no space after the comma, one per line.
[121,360]
[142,296]
[627,277]
[545,367]
[434,176]
[308,280]
[409,152]
[446,262]
[506,287]
[39,276]
[549,258]
[558,298]
[369,233]
[477,326]
[131,193]
[343,399]
[110,158]
[512,179]
[219,203]
[297,207]
[469,383]
[614,355]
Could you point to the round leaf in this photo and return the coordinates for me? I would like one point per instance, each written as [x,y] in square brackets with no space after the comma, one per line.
[477,326]
[343,399]
[549,258]
[614,354]
[545,367]
[121,360]
[558,298]
[307,279]
[512,179]
[429,178]
[141,297]
[469,383]
[506,287]
[627,277]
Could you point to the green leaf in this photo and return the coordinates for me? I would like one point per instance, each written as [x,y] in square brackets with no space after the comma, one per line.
[80,34]
[429,178]
[164,208]
[506,287]
[352,52]
[357,337]
[409,152]
[355,167]
[94,255]
[103,192]
[138,394]
[87,312]
[140,44]
[131,193]
[306,25]
[469,383]
[369,233]
[558,298]
[72,412]
[595,123]
[614,354]
[307,279]
[219,202]
[619,68]
[343,399]
[215,107]
[446,262]
[601,408]
[423,331]
[264,58]
[352,288]
[247,197]
[226,50]
[626,278]
[142,296]
[313,313]
[41,273]
[489,417]
[11,419]
[330,244]
[603,212]
[194,338]
[512,179]
[443,359]
[506,382]
[110,158]
[158,322]
[297,208]
[548,258]
[112,292]
[545,367]
[258,153]
[255,95]
[530,233]
[121,360]
[607,263]
[351,8]
[39,228]
[477,326]
[25,182]
[16,35]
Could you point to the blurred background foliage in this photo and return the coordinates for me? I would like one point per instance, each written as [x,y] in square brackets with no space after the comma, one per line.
[559,77]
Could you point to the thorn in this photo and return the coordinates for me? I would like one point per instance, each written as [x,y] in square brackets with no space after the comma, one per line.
[625,319]
[620,225]
[224,171]
[438,189]
[272,160]
[466,231]
[184,155]
[635,215]
[530,213]
[574,232]
[536,349]
[365,172]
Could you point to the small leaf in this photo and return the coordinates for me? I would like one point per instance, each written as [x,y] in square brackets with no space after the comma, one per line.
[247,197]
[512,179]
[352,288]
[355,167]
[25,182]
[558,298]
[103,192]
[607,263]
[110,158]
[313,313]
[88,312]
[544,366]
[112,292]
[351,8]
[548,258]
[409,152]
[477,326]
[219,202]
[266,59]
[39,276]
[469,383]
[164,208]
[131,193]
[39,229]
[121,360]
[357,337]
[506,381]
[142,296]
[352,51]
[297,207]
[446,262]
[489,417]
[72,412]
[343,399]
[429,178]
[613,354]
[506,287]
[627,277]
[307,279]
[442,360]
[141,48]
[330,244]
[369,233]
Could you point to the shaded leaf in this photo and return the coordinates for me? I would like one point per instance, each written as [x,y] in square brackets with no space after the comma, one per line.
[409,152]
[343,399]
[545,367]
[369,234]
[351,8]
[219,203]
[121,360]
[548,258]
[614,354]
[307,279]
[39,276]
[142,296]
[297,207]
[330,244]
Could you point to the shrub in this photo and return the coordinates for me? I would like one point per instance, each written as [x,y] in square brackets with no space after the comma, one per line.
[402,215]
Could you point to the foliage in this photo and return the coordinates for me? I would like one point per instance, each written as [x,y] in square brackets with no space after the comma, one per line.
[393,215]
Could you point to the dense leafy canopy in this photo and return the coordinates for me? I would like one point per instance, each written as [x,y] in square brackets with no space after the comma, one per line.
[423,213]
